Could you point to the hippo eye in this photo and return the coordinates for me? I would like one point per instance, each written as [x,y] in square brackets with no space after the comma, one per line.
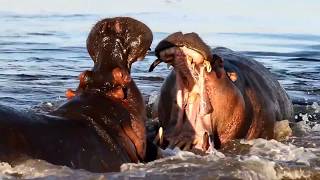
[143,56]
[86,79]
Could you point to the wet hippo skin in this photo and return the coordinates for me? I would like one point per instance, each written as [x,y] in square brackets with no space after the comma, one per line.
[213,97]
[102,125]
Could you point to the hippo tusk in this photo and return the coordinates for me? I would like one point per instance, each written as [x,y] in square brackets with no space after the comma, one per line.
[207,65]
[154,64]
[160,136]
[193,66]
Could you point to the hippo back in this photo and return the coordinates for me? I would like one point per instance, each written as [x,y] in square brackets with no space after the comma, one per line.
[252,73]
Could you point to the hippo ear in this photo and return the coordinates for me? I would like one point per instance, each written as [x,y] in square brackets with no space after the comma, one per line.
[217,60]
[85,78]
[232,76]
[217,64]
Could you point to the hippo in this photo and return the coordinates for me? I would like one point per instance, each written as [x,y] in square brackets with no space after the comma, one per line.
[214,96]
[102,125]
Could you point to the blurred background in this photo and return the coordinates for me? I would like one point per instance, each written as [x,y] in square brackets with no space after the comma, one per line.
[277,16]
[43,50]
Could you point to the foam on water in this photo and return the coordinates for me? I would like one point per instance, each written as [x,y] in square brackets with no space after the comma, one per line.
[31,169]
[316,107]
[266,159]
[256,168]
[275,150]
[316,127]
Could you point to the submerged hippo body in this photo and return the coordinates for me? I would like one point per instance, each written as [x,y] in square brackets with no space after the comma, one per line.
[240,98]
[265,99]
[71,141]
[102,125]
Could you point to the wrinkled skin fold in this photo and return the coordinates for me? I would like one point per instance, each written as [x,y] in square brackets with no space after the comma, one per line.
[205,106]
[102,125]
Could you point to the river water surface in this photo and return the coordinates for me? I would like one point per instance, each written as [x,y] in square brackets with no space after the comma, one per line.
[41,56]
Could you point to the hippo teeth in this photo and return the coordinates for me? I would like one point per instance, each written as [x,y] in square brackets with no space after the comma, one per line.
[160,135]
[193,66]
[207,65]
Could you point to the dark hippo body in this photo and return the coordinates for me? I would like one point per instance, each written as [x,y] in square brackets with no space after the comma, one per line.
[68,139]
[246,107]
[95,130]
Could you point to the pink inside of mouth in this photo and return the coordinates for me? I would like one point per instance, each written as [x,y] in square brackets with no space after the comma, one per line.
[192,100]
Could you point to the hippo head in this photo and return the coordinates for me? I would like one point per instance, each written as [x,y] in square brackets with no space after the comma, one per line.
[192,61]
[116,43]
[178,39]
[189,41]
[123,39]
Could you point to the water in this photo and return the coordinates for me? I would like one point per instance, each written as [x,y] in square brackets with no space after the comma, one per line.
[41,56]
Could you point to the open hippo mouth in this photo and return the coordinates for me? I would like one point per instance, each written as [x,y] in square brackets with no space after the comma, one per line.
[191,59]
[114,44]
